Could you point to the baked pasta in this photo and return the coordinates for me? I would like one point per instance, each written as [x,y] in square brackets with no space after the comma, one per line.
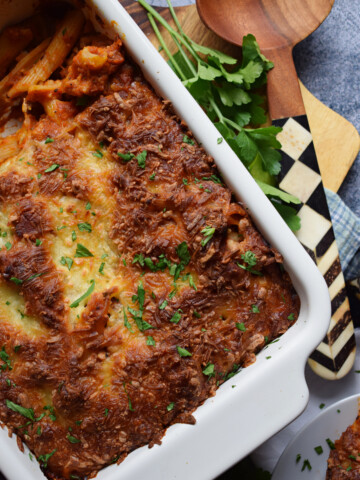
[132,283]
[344,458]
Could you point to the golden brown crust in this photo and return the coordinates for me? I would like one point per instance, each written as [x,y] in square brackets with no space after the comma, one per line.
[175,308]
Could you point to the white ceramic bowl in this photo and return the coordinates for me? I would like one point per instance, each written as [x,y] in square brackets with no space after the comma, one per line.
[268,394]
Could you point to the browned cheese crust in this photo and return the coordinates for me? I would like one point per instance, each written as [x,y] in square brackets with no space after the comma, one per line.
[170,270]
[344,459]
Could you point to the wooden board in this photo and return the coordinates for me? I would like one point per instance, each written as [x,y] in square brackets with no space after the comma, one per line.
[336,140]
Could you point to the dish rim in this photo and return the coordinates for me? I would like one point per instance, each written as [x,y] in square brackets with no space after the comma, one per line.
[211,446]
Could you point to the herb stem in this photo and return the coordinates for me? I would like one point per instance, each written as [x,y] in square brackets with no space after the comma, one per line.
[164,46]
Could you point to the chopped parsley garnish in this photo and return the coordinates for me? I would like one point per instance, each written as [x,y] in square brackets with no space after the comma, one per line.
[219,140]
[170,406]
[255,309]
[321,406]
[17,348]
[141,158]
[8,245]
[36,275]
[330,443]
[268,358]
[209,370]
[192,283]
[61,227]
[72,439]
[196,314]
[82,251]
[208,232]
[319,450]
[184,255]
[25,412]
[139,258]
[88,292]
[176,317]
[249,258]
[185,181]
[126,322]
[307,465]
[43,459]
[298,458]
[53,167]
[67,262]
[106,412]
[17,281]
[163,305]
[6,359]
[73,236]
[150,341]
[84,227]
[48,140]
[138,314]
[188,140]
[183,352]
[98,154]
[152,176]
[88,206]
[291,316]
[129,401]
[213,178]
[241,326]
[101,268]
[126,156]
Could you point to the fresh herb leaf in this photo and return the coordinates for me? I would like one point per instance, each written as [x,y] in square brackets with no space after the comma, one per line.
[188,140]
[241,326]
[48,140]
[72,439]
[150,341]
[98,153]
[38,242]
[17,281]
[255,309]
[209,370]
[307,465]
[126,156]
[53,167]
[170,406]
[141,158]
[330,443]
[163,305]
[101,268]
[291,316]
[8,245]
[139,258]
[176,317]
[88,292]
[208,233]
[73,236]
[82,251]
[319,450]
[129,400]
[43,459]
[183,352]
[84,227]
[67,262]
[25,412]
[126,322]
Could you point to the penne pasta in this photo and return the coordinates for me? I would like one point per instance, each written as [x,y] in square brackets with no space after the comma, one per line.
[60,46]
[22,66]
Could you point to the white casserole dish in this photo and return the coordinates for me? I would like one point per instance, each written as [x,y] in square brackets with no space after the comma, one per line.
[270,393]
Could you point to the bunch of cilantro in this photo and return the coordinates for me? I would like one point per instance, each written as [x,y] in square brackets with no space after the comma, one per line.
[228,91]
